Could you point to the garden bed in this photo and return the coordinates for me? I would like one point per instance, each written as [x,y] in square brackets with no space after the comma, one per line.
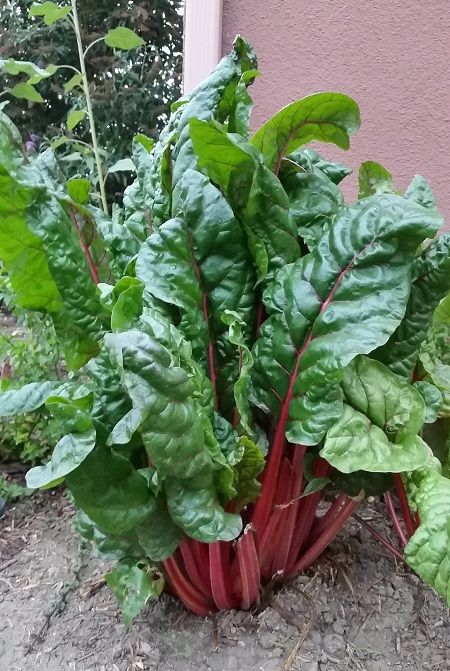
[356,609]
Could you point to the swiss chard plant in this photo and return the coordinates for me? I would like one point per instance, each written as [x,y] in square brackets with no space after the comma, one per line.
[251,352]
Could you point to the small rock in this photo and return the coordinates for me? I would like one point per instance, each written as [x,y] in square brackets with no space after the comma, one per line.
[339,627]
[333,643]
[267,641]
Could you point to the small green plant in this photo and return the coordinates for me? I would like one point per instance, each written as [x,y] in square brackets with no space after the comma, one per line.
[246,342]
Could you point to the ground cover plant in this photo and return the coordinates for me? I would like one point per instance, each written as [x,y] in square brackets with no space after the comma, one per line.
[253,356]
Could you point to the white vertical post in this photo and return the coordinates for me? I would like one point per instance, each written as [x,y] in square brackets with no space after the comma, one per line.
[202,40]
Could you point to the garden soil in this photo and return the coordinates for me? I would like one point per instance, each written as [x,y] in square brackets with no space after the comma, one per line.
[357,609]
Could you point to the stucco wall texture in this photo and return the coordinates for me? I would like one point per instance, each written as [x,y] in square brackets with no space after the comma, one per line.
[392,56]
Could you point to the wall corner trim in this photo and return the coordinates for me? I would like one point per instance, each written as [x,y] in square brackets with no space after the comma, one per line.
[202,40]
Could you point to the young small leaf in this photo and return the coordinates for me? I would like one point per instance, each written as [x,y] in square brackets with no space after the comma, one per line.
[59,142]
[133,586]
[123,38]
[78,189]
[50,11]
[25,91]
[123,165]
[74,117]
[373,179]
[74,81]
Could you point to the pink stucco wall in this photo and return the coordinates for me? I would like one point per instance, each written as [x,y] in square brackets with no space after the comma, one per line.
[392,56]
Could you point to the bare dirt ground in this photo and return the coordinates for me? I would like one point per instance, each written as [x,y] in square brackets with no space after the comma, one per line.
[356,610]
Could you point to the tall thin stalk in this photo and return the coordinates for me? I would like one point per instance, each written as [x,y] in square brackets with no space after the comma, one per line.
[90,112]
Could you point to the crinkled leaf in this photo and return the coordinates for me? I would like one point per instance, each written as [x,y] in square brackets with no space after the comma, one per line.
[246,471]
[310,160]
[69,453]
[373,179]
[226,277]
[313,200]
[193,505]
[432,398]
[133,585]
[318,322]
[241,386]
[420,192]
[386,398]
[354,443]
[28,398]
[327,117]
[162,391]
[428,551]
[431,283]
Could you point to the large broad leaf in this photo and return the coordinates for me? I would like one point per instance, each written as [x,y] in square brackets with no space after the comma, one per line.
[255,193]
[221,261]
[123,38]
[345,298]
[110,491]
[133,585]
[431,283]
[44,253]
[50,11]
[161,392]
[354,443]
[378,429]
[219,97]
[328,117]
[428,551]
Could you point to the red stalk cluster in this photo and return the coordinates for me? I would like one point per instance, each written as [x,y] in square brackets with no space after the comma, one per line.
[221,576]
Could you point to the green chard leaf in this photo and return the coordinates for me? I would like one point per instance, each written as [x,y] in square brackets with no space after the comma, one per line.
[255,193]
[428,551]
[431,283]
[378,429]
[327,117]
[220,261]
[318,323]
[419,191]
[41,249]
[70,451]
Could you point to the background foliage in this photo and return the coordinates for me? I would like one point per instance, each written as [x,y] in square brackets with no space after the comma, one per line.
[131,91]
